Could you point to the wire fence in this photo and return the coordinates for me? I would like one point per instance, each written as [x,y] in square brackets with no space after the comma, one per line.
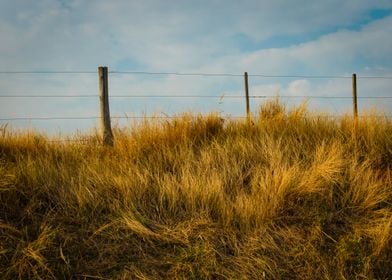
[29,95]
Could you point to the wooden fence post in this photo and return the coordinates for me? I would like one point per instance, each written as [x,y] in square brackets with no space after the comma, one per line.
[355,102]
[107,135]
[247,94]
[355,111]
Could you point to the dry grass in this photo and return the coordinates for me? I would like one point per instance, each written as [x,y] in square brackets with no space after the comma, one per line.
[285,196]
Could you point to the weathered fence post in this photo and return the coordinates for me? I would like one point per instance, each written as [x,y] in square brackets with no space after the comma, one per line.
[355,111]
[107,135]
[355,102]
[247,94]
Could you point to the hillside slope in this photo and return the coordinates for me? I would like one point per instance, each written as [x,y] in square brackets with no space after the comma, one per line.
[285,196]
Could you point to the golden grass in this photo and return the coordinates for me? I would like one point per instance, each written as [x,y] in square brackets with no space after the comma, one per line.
[287,195]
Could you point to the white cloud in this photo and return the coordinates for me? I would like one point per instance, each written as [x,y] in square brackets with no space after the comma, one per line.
[335,53]
[183,34]
[298,88]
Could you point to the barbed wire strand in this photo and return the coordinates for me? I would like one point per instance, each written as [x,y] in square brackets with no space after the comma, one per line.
[223,96]
[48,96]
[197,74]
[249,75]
[47,72]
[47,118]
[122,96]
[155,117]
[177,74]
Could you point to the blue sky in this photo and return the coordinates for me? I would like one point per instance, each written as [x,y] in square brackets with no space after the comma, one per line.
[278,37]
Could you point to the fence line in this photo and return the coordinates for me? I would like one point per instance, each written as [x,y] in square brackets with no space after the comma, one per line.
[104,96]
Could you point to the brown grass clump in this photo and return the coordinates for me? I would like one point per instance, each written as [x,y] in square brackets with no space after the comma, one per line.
[287,195]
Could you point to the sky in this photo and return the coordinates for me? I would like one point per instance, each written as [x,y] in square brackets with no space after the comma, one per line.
[302,38]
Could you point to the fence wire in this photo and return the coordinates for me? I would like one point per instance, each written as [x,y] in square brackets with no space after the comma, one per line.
[222,96]
[202,74]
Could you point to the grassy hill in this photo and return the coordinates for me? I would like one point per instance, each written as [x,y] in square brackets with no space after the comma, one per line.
[285,196]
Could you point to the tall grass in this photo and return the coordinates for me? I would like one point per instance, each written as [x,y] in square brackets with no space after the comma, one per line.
[287,195]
